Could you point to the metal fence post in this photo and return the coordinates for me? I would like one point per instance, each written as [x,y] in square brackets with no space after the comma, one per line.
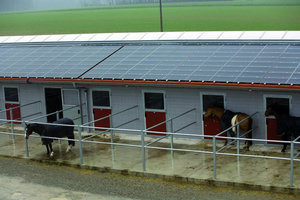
[57,115]
[80,144]
[292,164]
[111,133]
[12,124]
[238,143]
[26,142]
[215,157]
[171,137]
[143,150]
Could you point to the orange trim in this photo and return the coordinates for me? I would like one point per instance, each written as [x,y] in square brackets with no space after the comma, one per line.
[12,79]
[161,82]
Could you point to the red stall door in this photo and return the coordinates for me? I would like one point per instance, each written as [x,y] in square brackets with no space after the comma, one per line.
[212,126]
[154,118]
[16,113]
[100,113]
[272,130]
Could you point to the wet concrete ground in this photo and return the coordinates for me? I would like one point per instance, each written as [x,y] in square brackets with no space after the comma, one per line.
[190,165]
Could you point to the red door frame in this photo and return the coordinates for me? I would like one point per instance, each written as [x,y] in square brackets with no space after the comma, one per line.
[155,116]
[16,113]
[212,124]
[271,122]
[101,111]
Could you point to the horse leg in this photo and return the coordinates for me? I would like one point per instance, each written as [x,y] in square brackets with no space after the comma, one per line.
[47,147]
[248,142]
[71,143]
[285,138]
[52,153]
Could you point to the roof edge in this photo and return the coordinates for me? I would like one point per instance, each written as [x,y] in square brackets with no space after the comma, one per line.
[156,36]
[158,82]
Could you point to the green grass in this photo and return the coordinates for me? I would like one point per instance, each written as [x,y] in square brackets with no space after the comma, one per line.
[192,16]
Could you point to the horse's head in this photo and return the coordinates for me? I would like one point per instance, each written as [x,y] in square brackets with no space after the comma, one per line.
[274,110]
[269,111]
[208,113]
[30,128]
[213,111]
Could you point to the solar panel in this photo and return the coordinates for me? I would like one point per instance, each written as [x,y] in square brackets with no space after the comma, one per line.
[51,61]
[241,62]
[234,63]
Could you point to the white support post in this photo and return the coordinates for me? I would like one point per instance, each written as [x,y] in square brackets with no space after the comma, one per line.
[80,144]
[143,150]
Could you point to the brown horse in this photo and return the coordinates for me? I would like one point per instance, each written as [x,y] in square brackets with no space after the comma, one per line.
[228,119]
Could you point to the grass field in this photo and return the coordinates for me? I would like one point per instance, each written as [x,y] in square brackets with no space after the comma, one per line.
[192,16]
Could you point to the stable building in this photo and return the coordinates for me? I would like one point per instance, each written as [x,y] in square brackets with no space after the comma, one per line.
[143,79]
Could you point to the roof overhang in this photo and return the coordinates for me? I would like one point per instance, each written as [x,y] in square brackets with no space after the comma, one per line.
[156,83]
[155,36]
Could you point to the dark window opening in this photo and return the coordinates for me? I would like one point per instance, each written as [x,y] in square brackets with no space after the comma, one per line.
[53,103]
[154,100]
[282,104]
[101,98]
[212,101]
[11,94]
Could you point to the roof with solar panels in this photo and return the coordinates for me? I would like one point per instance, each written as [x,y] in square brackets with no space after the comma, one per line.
[233,58]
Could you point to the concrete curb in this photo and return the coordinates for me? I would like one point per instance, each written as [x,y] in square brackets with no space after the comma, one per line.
[173,178]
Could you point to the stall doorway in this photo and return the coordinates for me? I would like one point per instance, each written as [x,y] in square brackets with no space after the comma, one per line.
[155,112]
[101,108]
[53,103]
[212,125]
[271,122]
[71,105]
[11,95]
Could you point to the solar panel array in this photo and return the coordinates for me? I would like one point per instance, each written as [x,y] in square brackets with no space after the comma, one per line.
[250,63]
[50,61]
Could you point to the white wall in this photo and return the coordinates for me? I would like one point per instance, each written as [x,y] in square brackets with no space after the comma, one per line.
[178,100]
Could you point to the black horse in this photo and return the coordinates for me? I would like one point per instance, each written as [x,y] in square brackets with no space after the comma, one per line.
[53,131]
[288,127]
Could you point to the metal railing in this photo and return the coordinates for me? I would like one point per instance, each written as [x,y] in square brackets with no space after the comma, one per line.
[56,113]
[144,146]
[111,115]
[10,110]
[104,130]
[166,135]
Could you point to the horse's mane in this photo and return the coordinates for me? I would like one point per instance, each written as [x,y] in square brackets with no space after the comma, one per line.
[37,128]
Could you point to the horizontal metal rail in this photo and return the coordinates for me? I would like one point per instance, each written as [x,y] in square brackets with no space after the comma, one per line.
[159,148]
[19,106]
[127,122]
[58,111]
[79,117]
[157,140]
[31,115]
[185,126]
[89,137]
[157,132]
[170,119]
[233,141]
[102,118]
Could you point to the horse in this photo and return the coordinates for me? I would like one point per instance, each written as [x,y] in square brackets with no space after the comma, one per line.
[288,127]
[228,119]
[53,131]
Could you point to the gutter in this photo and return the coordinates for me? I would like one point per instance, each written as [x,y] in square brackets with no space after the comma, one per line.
[159,83]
